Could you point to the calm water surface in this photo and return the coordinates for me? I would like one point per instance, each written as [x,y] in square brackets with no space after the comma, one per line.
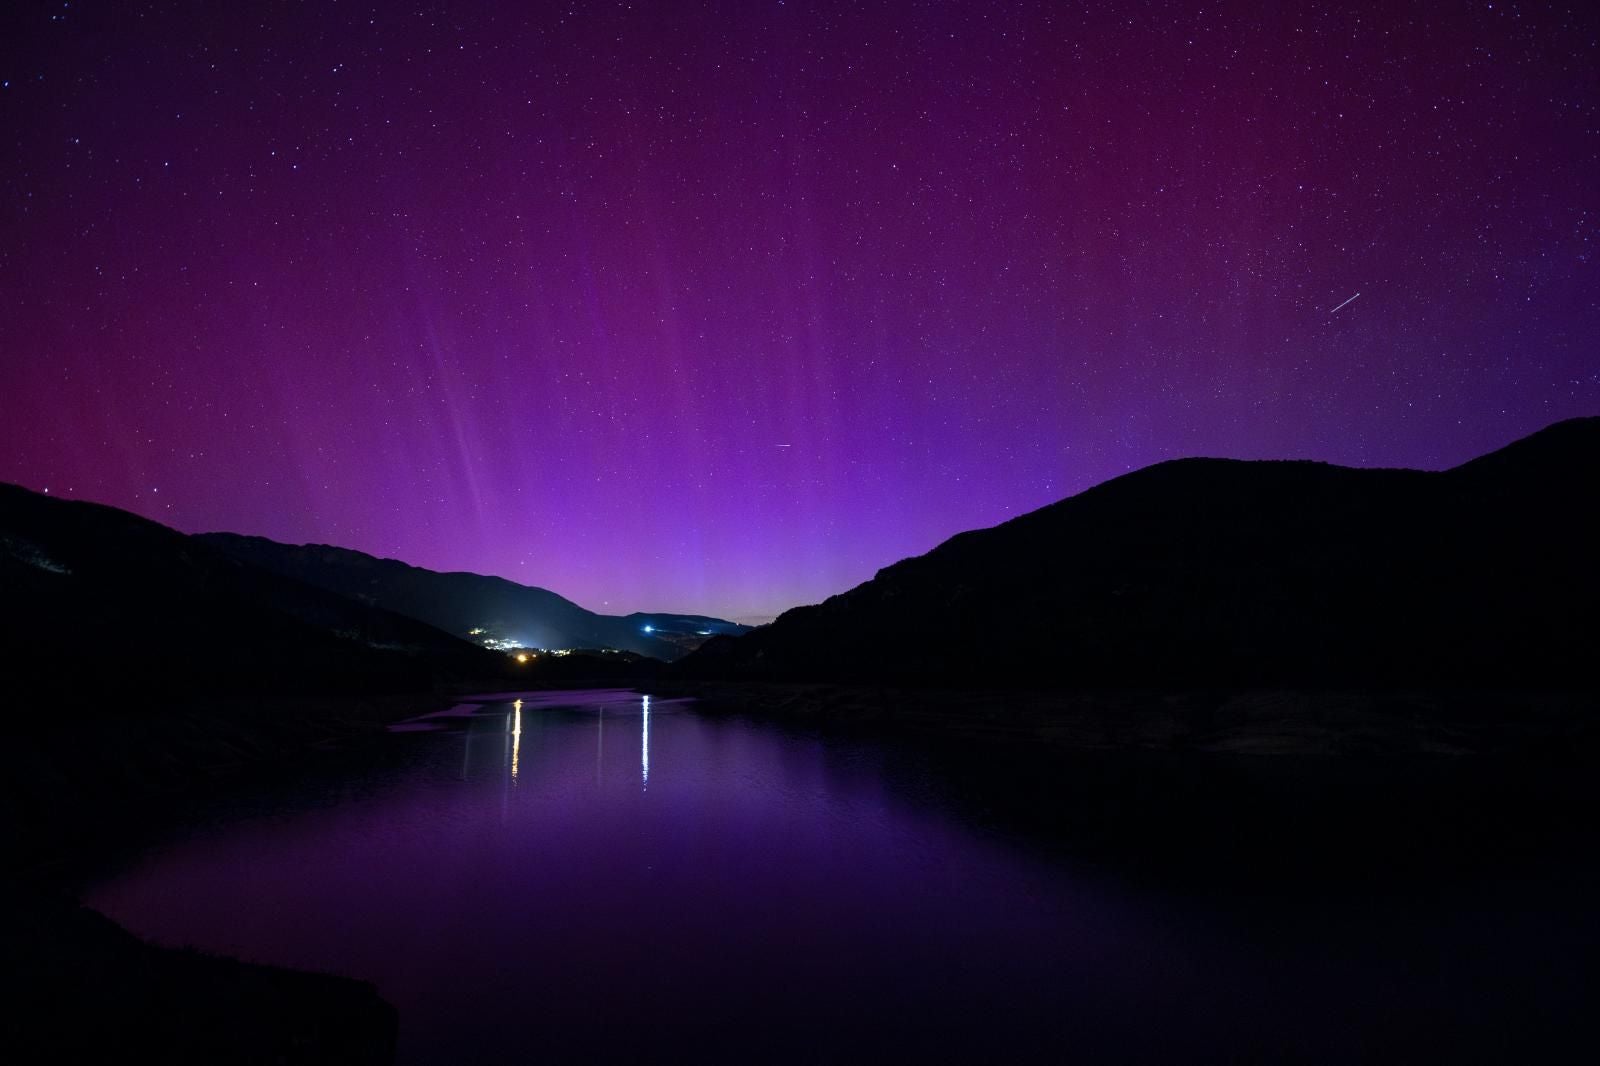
[596,876]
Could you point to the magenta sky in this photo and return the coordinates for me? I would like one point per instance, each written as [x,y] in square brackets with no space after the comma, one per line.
[721,307]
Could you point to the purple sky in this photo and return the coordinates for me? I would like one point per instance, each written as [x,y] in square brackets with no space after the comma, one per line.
[722,307]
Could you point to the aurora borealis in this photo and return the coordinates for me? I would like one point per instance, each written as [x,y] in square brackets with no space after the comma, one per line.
[722,307]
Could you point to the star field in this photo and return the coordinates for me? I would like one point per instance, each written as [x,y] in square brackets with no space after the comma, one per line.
[722,307]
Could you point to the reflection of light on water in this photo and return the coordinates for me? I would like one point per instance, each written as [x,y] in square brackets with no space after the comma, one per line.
[516,737]
[645,767]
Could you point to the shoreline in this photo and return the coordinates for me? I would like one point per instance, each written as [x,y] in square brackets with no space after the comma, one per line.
[1264,722]
[1245,786]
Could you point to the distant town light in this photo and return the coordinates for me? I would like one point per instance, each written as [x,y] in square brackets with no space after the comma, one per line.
[522,657]
[649,629]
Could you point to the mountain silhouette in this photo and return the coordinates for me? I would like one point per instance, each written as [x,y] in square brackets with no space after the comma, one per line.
[460,603]
[1214,572]
[95,592]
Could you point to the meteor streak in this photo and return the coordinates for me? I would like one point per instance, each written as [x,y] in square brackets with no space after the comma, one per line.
[1343,304]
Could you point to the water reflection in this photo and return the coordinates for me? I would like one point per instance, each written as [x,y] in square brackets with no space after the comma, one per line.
[491,732]
[516,737]
[810,899]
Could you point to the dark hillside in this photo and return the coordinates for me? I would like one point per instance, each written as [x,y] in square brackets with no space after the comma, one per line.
[1208,572]
[459,603]
[144,613]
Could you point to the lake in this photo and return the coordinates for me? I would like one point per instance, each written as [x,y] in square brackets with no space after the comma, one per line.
[598,876]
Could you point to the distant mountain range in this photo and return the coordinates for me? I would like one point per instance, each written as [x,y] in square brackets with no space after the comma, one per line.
[1211,572]
[93,594]
[462,603]
[91,591]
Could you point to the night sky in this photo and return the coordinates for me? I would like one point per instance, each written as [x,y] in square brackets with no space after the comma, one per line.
[722,307]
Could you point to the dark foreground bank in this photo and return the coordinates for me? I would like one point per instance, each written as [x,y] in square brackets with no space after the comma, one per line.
[82,989]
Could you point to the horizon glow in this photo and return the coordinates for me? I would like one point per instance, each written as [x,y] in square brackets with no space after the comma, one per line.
[720,310]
